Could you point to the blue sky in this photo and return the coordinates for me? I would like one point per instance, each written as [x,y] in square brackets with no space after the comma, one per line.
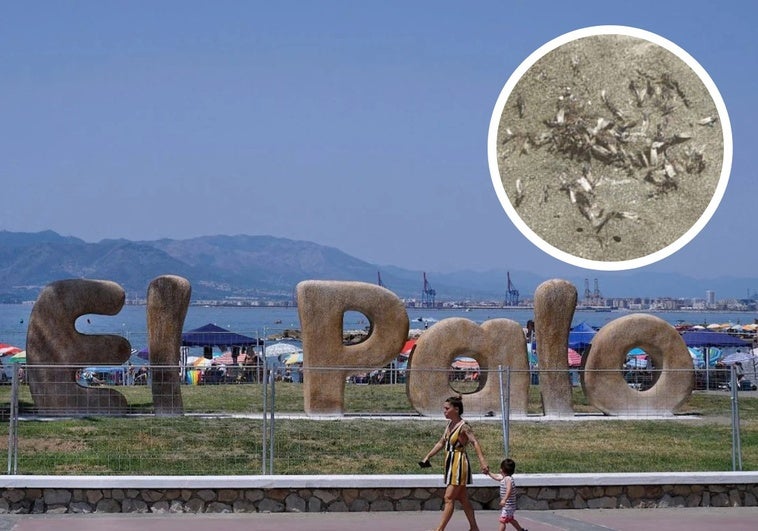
[358,125]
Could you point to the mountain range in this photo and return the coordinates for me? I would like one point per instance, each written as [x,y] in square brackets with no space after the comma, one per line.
[268,269]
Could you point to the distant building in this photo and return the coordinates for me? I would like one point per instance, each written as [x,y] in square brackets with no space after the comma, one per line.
[710,297]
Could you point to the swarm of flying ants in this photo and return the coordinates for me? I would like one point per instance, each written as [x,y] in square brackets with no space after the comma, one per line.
[638,137]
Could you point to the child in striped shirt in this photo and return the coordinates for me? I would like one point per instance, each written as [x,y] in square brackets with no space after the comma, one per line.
[507,494]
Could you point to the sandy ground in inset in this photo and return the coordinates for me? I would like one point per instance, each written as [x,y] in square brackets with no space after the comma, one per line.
[610,148]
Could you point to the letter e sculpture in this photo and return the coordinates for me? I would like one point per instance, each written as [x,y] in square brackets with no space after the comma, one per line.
[55,349]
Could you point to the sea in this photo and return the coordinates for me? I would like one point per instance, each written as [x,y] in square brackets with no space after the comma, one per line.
[131,321]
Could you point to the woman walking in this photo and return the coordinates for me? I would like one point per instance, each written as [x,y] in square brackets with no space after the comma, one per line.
[456,436]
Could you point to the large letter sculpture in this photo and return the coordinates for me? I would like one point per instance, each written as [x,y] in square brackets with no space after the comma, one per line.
[326,360]
[167,301]
[554,304]
[52,339]
[495,342]
[604,382]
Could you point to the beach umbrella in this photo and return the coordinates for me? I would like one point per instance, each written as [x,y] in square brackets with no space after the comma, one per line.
[227,359]
[574,358]
[464,362]
[198,361]
[408,347]
[277,350]
[19,357]
[735,357]
[8,350]
[294,358]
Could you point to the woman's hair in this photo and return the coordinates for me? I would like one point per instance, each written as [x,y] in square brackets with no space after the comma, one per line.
[457,402]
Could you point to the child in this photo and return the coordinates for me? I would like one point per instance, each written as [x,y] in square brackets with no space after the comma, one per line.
[507,494]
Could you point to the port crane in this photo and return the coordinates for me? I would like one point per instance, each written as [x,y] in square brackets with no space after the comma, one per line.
[428,295]
[592,298]
[511,293]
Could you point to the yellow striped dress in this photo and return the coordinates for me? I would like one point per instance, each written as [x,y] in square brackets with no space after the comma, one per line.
[457,468]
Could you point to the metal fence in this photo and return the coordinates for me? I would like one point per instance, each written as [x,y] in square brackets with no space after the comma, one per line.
[230,420]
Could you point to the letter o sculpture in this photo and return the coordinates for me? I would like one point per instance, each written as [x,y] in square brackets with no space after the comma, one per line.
[603,379]
[495,342]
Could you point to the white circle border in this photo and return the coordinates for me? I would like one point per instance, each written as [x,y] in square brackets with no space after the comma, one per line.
[597,264]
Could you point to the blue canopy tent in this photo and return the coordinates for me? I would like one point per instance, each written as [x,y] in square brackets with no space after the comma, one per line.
[708,338]
[211,335]
[581,336]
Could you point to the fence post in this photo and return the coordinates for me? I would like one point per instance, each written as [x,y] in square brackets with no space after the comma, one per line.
[505,406]
[736,443]
[272,428]
[13,423]
[264,387]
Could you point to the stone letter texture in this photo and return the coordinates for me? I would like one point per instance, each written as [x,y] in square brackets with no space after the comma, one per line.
[603,379]
[168,297]
[554,305]
[56,350]
[327,361]
[497,342]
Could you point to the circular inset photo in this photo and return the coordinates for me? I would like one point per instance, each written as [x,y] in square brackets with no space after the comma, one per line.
[610,148]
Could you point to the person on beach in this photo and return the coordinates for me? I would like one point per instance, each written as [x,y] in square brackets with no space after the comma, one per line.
[507,494]
[456,436]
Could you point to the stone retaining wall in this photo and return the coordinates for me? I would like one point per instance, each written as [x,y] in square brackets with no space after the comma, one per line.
[88,494]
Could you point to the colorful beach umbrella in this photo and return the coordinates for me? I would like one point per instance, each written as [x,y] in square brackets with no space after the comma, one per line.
[226,358]
[202,362]
[574,358]
[465,362]
[294,358]
[19,357]
[282,350]
[408,347]
[8,350]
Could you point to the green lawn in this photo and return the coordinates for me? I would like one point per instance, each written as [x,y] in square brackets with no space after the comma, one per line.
[222,443]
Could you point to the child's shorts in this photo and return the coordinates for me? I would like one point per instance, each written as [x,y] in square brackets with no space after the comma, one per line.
[507,519]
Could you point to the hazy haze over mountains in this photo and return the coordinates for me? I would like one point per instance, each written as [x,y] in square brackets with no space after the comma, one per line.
[266,267]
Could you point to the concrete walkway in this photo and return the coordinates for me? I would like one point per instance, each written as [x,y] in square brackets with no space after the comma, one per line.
[689,519]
